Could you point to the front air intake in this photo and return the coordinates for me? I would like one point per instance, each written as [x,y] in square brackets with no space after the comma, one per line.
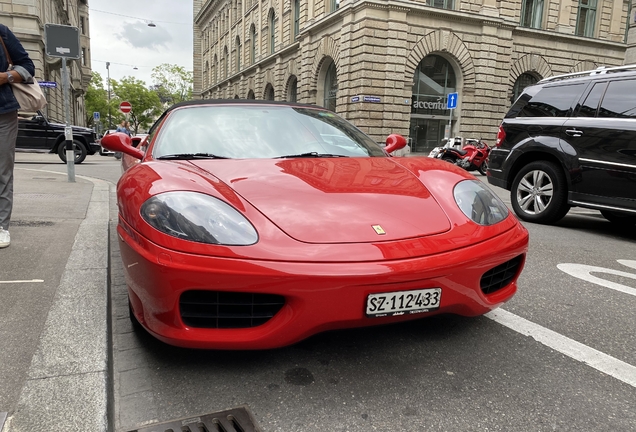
[500,276]
[221,309]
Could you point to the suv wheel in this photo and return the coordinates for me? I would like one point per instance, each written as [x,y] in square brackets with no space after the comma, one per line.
[539,193]
[620,219]
[78,147]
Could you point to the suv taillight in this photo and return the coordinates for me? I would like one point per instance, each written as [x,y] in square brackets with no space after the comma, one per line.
[501,136]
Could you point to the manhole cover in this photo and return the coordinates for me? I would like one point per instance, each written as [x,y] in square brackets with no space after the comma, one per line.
[233,420]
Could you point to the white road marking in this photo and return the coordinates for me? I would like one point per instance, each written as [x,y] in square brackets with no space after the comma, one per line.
[22,281]
[571,348]
[583,272]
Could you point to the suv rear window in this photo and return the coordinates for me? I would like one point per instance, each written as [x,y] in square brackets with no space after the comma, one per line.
[553,101]
[619,100]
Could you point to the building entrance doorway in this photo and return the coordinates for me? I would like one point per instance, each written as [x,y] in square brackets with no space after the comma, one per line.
[426,134]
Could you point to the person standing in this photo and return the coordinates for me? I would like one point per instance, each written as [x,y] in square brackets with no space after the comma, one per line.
[22,71]
[122,128]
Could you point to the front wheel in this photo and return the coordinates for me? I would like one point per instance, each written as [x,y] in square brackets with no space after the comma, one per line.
[539,193]
[483,168]
[78,148]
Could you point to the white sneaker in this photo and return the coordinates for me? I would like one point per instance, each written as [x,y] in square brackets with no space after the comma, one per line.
[5,238]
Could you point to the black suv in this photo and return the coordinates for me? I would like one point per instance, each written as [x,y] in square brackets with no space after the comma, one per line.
[36,133]
[570,140]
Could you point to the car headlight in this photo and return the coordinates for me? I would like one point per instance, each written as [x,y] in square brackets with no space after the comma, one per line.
[479,203]
[199,218]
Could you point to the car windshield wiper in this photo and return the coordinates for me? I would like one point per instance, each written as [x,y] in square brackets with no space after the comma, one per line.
[188,156]
[310,155]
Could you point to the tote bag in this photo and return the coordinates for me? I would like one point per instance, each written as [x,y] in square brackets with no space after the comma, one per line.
[29,96]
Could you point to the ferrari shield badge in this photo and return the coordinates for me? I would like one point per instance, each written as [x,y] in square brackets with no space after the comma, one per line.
[379,230]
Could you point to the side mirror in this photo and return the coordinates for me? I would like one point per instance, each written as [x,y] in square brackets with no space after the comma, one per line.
[120,142]
[394,142]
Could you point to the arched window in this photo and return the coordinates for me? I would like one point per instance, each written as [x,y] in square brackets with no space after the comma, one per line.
[271,20]
[253,44]
[331,88]
[216,68]
[269,92]
[296,21]
[225,62]
[524,80]
[292,89]
[238,54]
[250,95]
[206,76]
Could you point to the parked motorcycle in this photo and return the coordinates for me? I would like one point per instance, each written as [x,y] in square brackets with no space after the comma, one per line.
[455,143]
[472,157]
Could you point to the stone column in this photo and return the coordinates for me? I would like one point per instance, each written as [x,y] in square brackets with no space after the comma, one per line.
[489,8]
[565,13]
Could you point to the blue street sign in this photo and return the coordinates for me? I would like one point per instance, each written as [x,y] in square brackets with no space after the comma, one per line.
[96,115]
[372,99]
[355,99]
[49,84]
[452,101]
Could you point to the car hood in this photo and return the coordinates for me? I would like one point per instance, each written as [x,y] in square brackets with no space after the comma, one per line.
[75,128]
[335,200]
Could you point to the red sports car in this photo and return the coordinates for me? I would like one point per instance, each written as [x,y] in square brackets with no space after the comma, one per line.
[255,224]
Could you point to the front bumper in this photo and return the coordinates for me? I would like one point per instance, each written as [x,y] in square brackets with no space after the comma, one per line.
[318,296]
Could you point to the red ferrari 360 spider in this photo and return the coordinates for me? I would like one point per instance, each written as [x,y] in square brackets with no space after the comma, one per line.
[255,224]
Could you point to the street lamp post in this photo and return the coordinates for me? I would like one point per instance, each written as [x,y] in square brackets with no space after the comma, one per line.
[108,79]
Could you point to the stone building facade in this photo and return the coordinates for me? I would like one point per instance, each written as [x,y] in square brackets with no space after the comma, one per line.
[26,19]
[388,66]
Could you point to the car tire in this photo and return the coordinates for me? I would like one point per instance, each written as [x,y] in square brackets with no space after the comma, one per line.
[539,193]
[619,219]
[80,151]
[133,319]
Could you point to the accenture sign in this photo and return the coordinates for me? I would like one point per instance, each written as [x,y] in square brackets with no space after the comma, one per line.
[429,105]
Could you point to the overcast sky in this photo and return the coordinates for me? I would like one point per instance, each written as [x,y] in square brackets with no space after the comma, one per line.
[120,35]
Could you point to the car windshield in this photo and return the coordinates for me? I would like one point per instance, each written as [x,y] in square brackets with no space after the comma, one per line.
[260,131]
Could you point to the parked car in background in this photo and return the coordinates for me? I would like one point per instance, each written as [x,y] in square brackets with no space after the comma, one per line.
[251,224]
[570,140]
[37,133]
[104,151]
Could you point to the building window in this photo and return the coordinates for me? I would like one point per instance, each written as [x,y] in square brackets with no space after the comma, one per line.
[272,31]
[292,90]
[296,29]
[331,88]
[250,95]
[216,68]
[433,80]
[238,54]
[524,80]
[82,26]
[532,13]
[253,44]
[586,19]
[225,63]
[333,5]
[442,4]
[269,92]
[84,61]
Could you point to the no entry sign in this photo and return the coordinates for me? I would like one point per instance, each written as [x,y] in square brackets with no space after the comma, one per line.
[125,107]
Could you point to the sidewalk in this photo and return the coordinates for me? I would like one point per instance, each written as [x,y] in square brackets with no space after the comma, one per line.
[54,305]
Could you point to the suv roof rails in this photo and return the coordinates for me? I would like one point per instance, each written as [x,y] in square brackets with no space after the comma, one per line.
[597,71]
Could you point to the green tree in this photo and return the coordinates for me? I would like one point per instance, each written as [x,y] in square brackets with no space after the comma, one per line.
[172,83]
[96,99]
[146,106]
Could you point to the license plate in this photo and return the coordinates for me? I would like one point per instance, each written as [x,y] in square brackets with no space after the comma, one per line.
[403,302]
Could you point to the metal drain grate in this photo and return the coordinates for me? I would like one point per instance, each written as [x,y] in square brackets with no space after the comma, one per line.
[37,196]
[233,420]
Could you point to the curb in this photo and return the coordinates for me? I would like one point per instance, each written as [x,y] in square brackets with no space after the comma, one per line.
[67,382]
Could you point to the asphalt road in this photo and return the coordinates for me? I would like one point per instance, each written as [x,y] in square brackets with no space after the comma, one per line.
[560,356]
